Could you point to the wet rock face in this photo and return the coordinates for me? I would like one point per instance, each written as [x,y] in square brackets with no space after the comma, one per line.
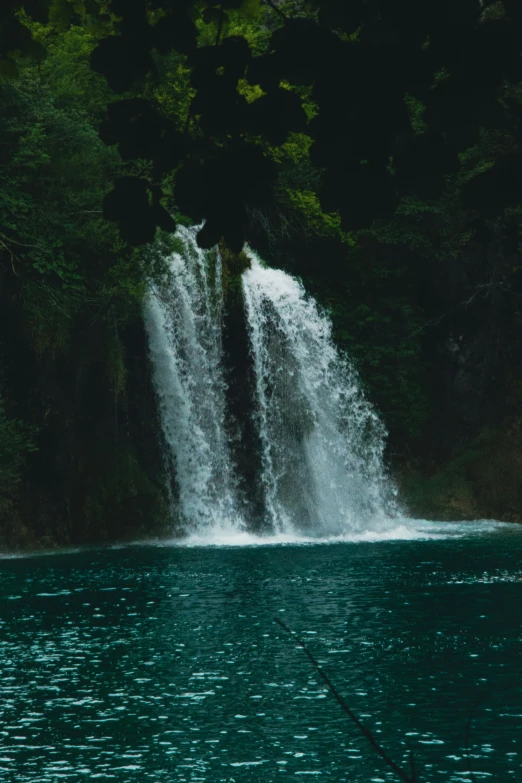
[464,377]
[244,437]
[96,473]
[467,463]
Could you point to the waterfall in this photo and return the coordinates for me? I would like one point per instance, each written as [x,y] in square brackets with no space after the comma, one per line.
[322,443]
[183,319]
[321,465]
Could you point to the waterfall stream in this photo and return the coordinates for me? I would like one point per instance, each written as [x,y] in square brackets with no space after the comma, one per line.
[183,322]
[321,465]
[322,443]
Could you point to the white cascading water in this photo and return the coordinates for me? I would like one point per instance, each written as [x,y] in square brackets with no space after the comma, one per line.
[322,470]
[322,443]
[184,326]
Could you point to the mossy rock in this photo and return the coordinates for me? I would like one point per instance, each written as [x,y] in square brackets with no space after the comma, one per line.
[234,264]
[481,481]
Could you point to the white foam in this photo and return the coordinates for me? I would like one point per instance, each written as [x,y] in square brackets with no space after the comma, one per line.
[226,536]
[406,530]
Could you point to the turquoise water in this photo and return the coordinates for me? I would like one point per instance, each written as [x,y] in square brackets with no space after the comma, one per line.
[163,663]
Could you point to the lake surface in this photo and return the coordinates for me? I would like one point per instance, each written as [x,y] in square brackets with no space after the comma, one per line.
[163,663]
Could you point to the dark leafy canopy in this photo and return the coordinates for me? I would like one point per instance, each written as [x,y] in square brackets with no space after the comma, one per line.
[222,169]
[359,59]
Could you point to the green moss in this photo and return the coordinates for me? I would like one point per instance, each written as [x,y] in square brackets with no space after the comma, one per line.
[122,498]
[321,223]
[115,362]
[233,266]
[251,92]
[446,496]
[46,316]
[295,149]
[416,109]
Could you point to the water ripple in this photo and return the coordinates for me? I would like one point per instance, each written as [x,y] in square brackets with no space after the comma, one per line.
[163,663]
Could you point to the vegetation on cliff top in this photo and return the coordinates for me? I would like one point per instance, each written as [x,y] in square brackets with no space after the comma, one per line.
[70,303]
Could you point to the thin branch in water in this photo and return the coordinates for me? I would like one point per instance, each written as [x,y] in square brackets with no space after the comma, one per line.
[367,733]
[469,723]
[412,765]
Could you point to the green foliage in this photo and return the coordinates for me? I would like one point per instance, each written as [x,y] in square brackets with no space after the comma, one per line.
[70,302]
[368,188]
[247,21]
[46,314]
[65,72]
[234,264]
[322,224]
[378,324]
[376,291]
[51,187]
[416,109]
[295,53]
